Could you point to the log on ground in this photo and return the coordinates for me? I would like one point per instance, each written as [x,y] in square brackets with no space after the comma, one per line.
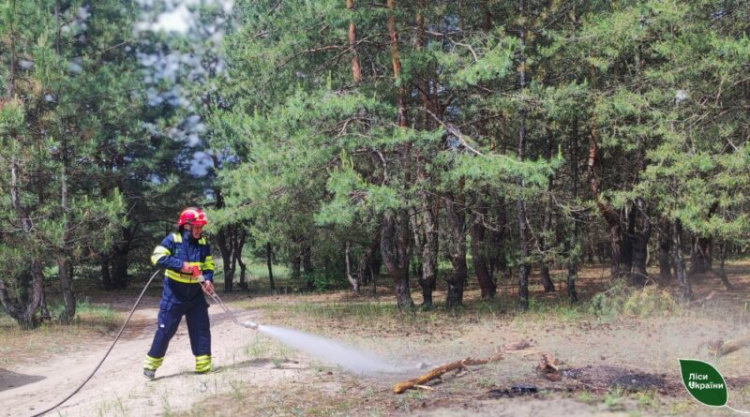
[440,370]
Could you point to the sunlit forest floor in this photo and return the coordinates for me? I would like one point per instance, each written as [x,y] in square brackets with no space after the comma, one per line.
[616,353]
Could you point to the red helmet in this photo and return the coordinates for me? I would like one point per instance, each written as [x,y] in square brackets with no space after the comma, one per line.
[192,215]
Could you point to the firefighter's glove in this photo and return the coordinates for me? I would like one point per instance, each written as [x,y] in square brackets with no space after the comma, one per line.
[208,287]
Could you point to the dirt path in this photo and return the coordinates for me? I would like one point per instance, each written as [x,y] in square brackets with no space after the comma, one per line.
[264,378]
[118,388]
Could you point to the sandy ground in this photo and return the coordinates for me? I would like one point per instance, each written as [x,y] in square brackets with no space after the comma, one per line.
[259,381]
[118,388]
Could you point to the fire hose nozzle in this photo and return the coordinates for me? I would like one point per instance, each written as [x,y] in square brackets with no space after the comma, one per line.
[250,325]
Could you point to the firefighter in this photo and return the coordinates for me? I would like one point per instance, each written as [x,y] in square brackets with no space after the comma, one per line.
[185,257]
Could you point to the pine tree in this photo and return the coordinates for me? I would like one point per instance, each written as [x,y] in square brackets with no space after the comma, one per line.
[70,122]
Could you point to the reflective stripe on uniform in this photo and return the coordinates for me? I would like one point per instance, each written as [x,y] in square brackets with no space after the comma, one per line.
[152,363]
[159,253]
[179,277]
[203,363]
[208,264]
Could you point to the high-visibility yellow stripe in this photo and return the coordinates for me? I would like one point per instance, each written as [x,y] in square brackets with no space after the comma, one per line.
[186,278]
[159,252]
[202,363]
[177,238]
[208,263]
[152,363]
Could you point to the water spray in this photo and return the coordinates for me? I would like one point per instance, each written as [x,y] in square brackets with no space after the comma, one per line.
[331,351]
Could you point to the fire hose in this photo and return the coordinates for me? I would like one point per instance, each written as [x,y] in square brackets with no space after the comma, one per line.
[212,294]
[215,297]
[85,381]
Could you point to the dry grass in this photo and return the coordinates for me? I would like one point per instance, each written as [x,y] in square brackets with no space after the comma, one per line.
[94,323]
[642,339]
[638,340]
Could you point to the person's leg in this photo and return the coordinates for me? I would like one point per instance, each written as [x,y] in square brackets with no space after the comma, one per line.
[199,329]
[169,318]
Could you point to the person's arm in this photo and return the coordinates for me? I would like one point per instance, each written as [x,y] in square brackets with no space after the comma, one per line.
[208,271]
[208,265]
[163,257]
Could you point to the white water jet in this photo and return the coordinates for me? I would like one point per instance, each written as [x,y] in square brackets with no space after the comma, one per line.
[348,357]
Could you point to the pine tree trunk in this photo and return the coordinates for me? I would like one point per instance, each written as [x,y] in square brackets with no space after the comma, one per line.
[572,243]
[225,248]
[627,238]
[243,274]
[497,260]
[428,280]
[115,263]
[394,249]
[610,215]
[240,244]
[640,237]
[230,240]
[665,247]
[356,283]
[66,290]
[424,84]
[396,62]
[455,211]
[365,269]
[106,274]
[119,265]
[307,266]
[429,205]
[686,292]
[417,239]
[523,279]
[722,271]
[544,275]
[270,266]
[296,268]
[65,249]
[22,300]
[639,274]
[479,254]
[700,255]
[352,37]
[394,237]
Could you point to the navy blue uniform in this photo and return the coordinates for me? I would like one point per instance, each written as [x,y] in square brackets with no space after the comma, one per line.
[182,296]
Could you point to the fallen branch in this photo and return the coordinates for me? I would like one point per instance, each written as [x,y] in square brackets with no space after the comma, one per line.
[440,370]
[548,367]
